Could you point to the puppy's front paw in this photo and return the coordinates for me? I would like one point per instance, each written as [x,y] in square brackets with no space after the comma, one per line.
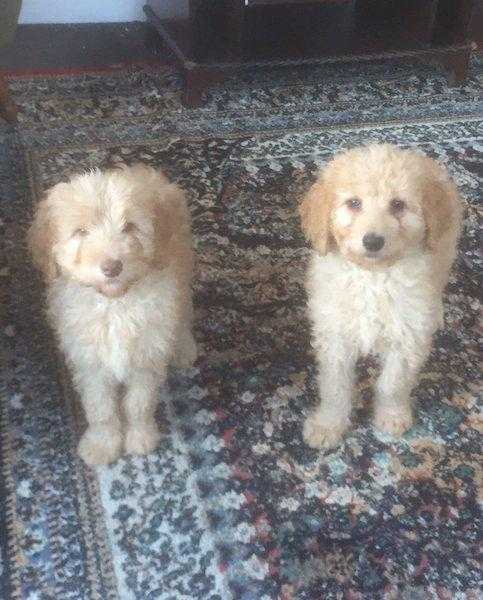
[142,440]
[100,445]
[321,433]
[395,422]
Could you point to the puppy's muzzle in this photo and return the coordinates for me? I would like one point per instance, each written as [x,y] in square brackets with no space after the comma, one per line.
[373,242]
[111,268]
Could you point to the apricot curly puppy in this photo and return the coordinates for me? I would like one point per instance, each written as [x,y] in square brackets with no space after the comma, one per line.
[384,224]
[115,250]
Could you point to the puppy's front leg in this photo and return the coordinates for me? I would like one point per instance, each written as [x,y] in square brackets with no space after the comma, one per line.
[140,401]
[101,443]
[393,410]
[325,427]
[185,349]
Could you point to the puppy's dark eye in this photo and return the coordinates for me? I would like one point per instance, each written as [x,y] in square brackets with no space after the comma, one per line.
[128,227]
[354,204]
[397,205]
[80,232]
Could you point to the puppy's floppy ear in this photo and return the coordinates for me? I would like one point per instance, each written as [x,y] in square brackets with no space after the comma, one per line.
[441,203]
[315,211]
[41,237]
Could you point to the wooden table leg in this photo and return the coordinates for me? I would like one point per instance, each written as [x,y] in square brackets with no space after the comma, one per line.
[197,80]
[8,110]
[458,64]
[195,83]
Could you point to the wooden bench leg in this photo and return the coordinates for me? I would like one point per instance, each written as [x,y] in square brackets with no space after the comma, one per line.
[458,64]
[196,81]
[8,110]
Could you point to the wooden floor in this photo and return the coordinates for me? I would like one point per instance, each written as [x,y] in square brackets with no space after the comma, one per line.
[83,46]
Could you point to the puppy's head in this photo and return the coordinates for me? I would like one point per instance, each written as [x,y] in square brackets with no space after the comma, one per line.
[376,204]
[106,230]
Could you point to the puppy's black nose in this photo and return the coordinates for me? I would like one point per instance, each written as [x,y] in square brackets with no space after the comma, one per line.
[111,267]
[373,242]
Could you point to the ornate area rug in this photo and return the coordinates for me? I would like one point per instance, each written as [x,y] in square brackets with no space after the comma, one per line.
[233,505]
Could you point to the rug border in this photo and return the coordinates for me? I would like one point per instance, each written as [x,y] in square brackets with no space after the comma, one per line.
[10,581]
[99,565]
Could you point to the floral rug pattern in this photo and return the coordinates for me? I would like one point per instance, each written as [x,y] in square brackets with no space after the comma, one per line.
[233,505]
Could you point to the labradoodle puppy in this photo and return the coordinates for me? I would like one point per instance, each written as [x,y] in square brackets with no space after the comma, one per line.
[115,250]
[383,223]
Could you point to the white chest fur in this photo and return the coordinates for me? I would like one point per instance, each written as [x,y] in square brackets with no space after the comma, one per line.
[372,309]
[119,332]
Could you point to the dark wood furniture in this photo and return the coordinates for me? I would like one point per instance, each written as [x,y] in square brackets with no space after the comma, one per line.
[212,37]
[9,11]
[8,110]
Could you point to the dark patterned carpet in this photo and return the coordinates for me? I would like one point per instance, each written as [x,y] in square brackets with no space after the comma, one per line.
[233,505]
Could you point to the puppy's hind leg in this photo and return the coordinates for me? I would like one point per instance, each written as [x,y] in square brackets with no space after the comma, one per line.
[140,401]
[393,410]
[325,427]
[185,351]
[101,443]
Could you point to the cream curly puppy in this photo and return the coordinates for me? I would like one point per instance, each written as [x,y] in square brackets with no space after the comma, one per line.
[383,223]
[115,249]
